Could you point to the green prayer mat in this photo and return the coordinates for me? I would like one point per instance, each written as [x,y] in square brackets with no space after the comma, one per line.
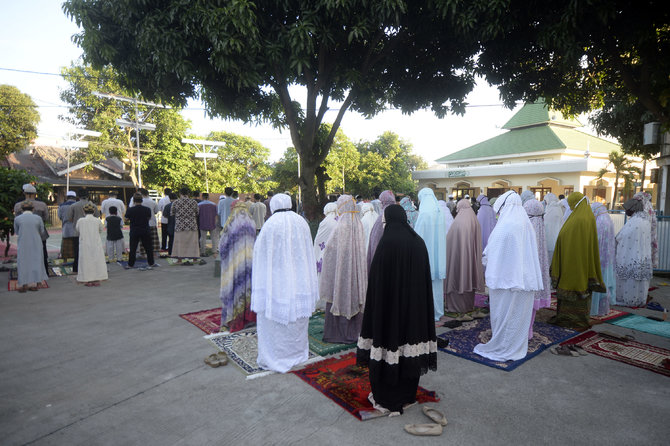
[316,344]
[641,323]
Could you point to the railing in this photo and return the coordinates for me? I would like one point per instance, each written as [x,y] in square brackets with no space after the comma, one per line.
[52,217]
[662,231]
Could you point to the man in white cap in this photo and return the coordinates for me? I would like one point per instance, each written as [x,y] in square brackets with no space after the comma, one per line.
[67,246]
[112,201]
[39,208]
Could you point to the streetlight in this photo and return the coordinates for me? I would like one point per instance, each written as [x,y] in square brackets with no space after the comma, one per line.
[137,123]
[72,144]
[205,152]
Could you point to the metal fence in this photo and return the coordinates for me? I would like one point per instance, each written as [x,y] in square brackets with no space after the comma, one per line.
[662,231]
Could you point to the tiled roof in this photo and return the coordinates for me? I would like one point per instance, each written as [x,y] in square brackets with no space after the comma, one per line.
[536,114]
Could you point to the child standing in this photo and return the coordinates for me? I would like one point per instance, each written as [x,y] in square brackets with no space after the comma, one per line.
[115,244]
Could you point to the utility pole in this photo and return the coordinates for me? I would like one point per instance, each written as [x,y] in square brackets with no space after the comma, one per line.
[138,123]
[205,152]
[73,143]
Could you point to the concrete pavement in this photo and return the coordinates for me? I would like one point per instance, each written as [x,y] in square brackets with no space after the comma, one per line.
[115,365]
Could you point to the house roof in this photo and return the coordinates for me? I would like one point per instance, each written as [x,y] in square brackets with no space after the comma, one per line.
[534,128]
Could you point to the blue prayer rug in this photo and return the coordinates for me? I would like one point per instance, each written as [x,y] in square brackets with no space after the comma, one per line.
[641,323]
[462,341]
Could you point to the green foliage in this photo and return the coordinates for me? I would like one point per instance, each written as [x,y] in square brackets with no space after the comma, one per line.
[285,171]
[578,55]
[11,191]
[387,163]
[622,168]
[241,57]
[342,165]
[18,120]
[242,164]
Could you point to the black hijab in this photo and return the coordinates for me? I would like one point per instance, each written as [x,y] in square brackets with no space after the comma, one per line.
[399,305]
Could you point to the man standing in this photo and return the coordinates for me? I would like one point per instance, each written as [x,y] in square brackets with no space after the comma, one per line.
[257,211]
[139,216]
[164,217]
[223,208]
[40,209]
[153,228]
[185,211]
[74,213]
[29,227]
[112,201]
[208,224]
[67,247]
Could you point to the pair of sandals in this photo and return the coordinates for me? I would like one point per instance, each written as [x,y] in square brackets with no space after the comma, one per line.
[428,429]
[216,359]
[24,288]
[568,350]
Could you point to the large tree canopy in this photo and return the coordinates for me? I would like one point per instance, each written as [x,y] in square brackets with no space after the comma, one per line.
[241,57]
[18,120]
[578,55]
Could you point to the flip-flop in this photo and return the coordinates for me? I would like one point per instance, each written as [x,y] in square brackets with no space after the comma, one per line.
[222,357]
[612,335]
[424,429]
[578,349]
[435,415]
[562,350]
[212,360]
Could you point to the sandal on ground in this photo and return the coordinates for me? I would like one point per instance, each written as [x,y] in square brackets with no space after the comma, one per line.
[620,337]
[424,429]
[578,349]
[464,318]
[452,324]
[435,415]
[32,288]
[562,350]
[222,357]
[22,289]
[213,360]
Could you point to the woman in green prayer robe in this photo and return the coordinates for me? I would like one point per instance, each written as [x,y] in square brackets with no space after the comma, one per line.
[575,267]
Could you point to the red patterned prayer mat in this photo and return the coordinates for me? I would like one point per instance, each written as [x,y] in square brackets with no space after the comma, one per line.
[613,314]
[12,285]
[208,321]
[348,385]
[634,353]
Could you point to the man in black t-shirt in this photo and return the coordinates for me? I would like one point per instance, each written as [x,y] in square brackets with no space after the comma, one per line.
[139,217]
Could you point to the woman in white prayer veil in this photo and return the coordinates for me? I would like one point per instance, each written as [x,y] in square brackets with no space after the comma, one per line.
[513,275]
[448,218]
[553,220]
[326,228]
[368,219]
[284,287]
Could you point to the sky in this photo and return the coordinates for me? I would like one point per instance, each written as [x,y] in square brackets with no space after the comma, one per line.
[35,35]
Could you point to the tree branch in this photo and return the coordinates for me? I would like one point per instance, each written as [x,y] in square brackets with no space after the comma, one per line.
[291,117]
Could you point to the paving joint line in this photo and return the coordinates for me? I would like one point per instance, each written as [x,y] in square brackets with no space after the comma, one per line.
[109,407]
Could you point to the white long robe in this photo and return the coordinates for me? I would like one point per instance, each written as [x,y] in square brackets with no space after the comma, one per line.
[284,287]
[368,220]
[91,254]
[30,256]
[513,274]
[633,261]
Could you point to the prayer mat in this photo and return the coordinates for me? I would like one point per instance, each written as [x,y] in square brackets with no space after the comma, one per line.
[641,323]
[138,264]
[173,261]
[316,343]
[348,385]
[59,271]
[208,321]
[242,348]
[13,285]
[613,314]
[462,341]
[634,353]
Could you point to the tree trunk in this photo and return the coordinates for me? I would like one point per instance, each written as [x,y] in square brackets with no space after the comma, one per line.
[321,184]
[644,172]
[616,190]
[310,202]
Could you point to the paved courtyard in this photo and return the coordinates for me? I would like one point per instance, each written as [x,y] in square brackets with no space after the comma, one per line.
[116,365]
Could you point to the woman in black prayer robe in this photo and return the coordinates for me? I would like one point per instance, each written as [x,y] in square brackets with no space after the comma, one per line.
[397,340]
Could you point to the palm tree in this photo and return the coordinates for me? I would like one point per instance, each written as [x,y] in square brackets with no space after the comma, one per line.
[622,169]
